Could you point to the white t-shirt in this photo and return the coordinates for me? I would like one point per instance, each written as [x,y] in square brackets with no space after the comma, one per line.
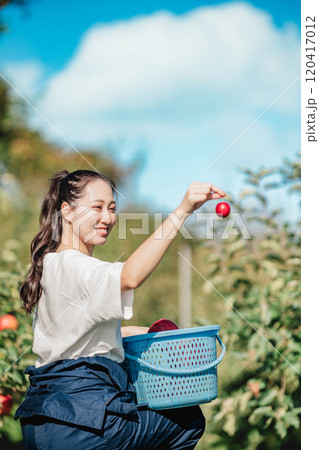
[80,310]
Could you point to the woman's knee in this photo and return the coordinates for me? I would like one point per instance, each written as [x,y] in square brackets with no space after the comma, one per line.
[198,422]
[195,428]
[199,426]
[189,434]
[189,424]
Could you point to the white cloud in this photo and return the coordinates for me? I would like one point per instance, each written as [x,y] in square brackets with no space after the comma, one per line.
[24,76]
[164,65]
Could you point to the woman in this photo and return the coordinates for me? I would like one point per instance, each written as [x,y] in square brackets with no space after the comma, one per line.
[79,395]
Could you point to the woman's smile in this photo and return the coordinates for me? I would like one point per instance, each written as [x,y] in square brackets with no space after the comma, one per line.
[102,231]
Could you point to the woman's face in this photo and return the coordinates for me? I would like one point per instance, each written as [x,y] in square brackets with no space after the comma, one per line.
[94,215]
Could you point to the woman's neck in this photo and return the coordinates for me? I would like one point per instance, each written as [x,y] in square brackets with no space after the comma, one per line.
[82,248]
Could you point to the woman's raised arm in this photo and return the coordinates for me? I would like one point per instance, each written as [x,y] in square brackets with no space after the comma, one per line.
[142,262]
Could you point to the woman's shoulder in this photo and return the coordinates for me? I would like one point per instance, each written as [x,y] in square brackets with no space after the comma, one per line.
[67,252]
[73,259]
[70,253]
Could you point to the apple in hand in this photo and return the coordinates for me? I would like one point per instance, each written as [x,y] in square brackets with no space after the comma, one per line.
[6,402]
[222,209]
[162,325]
[8,321]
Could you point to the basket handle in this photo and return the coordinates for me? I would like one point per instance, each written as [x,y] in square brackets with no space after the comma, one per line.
[181,371]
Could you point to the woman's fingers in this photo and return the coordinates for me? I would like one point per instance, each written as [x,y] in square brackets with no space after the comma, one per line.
[216,195]
[219,191]
[198,193]
[206,188]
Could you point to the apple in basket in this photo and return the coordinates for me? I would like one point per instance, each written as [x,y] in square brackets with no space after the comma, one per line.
[162,325]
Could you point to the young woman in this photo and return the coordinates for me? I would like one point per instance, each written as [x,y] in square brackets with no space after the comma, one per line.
[79,395]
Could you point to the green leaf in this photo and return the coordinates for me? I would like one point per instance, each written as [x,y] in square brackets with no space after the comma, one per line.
[12,429]
[280,428]
[16,377]
[247,192]
[258,413]
[272,185]
[254,439]
[235,247]
[292,419]
[244,400]
[268,397]
[230,424]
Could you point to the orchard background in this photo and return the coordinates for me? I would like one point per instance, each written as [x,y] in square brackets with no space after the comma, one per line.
[259,382]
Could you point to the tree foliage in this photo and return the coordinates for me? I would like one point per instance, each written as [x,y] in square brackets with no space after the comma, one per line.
[259,403]
[259,386]
[15,345]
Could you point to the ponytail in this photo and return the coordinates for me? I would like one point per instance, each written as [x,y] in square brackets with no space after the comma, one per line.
[64,186]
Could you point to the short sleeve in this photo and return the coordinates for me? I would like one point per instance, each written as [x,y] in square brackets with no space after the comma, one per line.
[102,287]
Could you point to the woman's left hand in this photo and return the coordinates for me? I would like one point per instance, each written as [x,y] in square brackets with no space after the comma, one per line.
[133,330]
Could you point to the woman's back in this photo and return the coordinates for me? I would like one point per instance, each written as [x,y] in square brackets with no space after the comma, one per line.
[80,309]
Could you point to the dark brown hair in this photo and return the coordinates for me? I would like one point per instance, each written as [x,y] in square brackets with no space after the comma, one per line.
[64,187]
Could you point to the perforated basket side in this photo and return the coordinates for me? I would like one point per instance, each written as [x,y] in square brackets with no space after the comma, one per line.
[179,391]
[179,354]
[186,353]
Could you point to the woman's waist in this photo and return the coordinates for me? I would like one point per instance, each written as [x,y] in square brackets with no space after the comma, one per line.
[60,351]
[78,391]
[91,372]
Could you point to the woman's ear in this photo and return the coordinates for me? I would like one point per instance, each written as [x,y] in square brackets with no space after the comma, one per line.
[66,212]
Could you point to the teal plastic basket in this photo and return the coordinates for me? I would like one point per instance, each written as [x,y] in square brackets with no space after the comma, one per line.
[176,368]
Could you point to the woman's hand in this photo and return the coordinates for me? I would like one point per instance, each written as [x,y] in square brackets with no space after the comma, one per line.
[133,330]
[197,194]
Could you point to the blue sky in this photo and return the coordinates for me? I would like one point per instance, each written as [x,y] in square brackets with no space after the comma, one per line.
[177,82]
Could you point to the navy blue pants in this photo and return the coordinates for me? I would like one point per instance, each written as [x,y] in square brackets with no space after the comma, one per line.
[89,403]
[174,429]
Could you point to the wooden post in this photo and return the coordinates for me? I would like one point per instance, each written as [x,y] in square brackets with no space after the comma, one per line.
[185,286]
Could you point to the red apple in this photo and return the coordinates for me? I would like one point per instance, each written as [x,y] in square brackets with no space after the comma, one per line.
[222,209]
[6,402]
[8,321]
[162,325]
